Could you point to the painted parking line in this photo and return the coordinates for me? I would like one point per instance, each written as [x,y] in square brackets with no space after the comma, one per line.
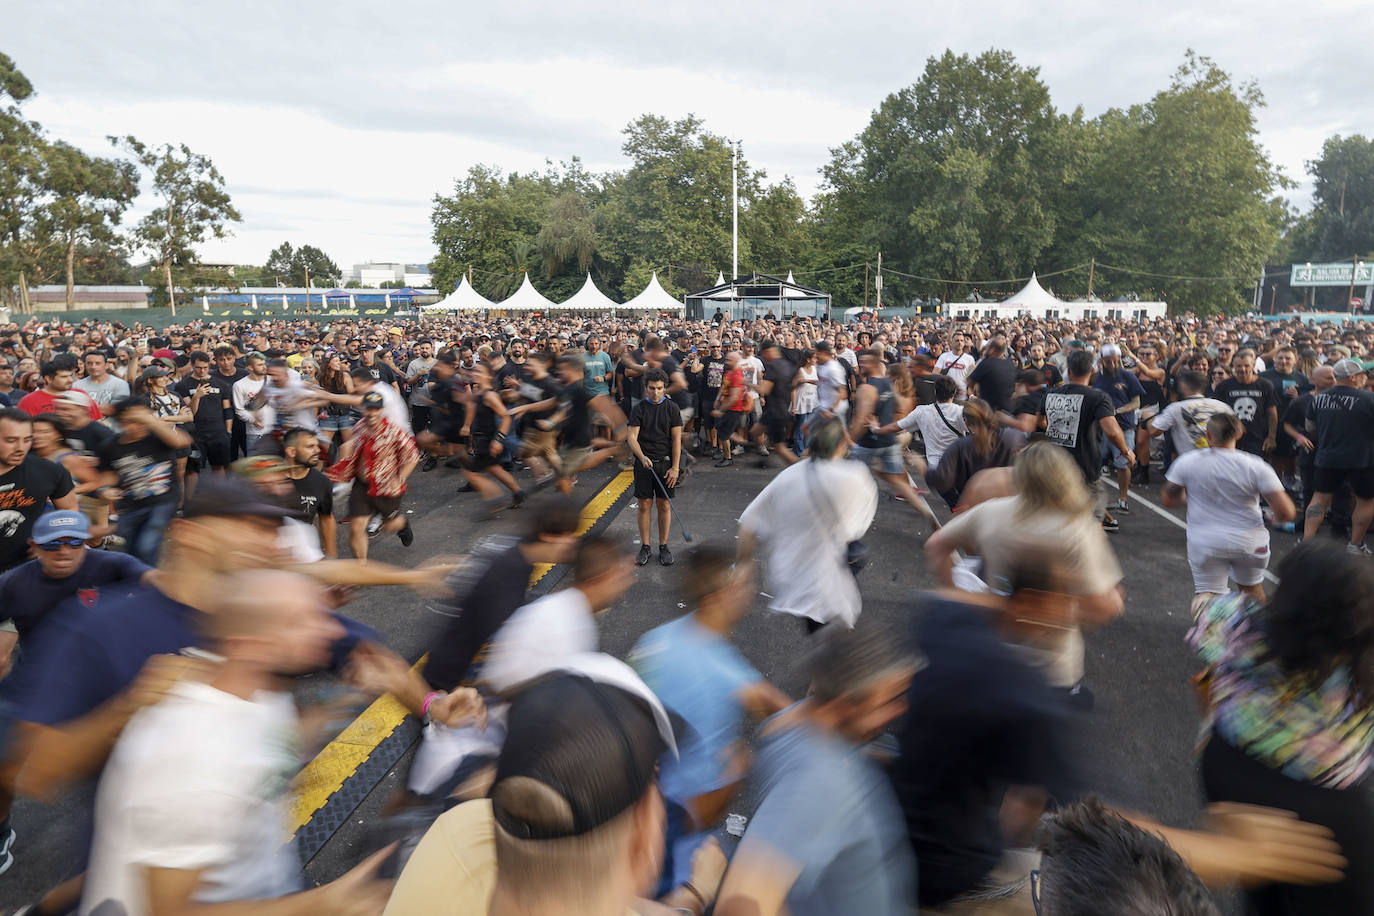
[344,758]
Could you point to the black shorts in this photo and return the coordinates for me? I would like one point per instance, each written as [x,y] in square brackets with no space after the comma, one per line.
[446,428]
[1329,480]
[214,451]
[776,428]
[361,505]
[730,421]
[645,488]
[481,457]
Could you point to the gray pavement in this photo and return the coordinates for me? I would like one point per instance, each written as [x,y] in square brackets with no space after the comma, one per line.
[1141,732]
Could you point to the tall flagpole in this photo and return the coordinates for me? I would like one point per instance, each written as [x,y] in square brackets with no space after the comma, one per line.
[734,200]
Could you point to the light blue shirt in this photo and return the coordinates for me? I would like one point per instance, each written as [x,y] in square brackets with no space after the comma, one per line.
[598,364]
[829,809]
[698,675]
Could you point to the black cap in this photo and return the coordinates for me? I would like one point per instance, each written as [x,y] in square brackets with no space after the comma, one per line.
[231,496]
[373,399]
[595,745]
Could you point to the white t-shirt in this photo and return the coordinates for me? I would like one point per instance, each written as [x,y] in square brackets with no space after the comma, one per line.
[752,368]
[1224,487]
[804,519]
[200,781]
[937,435]
[804,397]
[539,637]
[1186,421]
[245,389]
[956,367]
[107,392]
[830,379]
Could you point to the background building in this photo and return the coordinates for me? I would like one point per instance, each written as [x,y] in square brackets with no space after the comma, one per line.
[375,273]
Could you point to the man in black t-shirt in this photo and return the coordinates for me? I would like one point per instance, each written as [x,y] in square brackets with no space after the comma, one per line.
[141,463]
[575,406]
[1295,425]
[227,371]
[656,442]
[380,371]
[1342,425]
[27,484]
[1289,384]
[775,387]
[1253,400]
[1073,414]
[314,493]
[994,378]
[212,407]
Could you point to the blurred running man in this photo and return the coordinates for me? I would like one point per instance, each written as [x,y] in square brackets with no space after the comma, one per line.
[193,803]
[874,406]
[692,667]
[827,837]
[379,459]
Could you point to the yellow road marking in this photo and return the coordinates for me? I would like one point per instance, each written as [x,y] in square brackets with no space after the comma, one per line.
[319,779]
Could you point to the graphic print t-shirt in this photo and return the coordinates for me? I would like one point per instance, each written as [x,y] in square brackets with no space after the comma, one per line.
[315,496]
[1071,412]
[24,494]
[146,469]
[1251,402]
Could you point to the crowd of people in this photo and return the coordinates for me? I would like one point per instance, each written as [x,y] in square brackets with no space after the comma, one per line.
[170,504]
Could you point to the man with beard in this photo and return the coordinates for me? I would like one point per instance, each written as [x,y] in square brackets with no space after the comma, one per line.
[313,491]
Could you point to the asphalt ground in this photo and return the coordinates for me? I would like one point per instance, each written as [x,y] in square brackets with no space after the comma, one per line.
[1140,735]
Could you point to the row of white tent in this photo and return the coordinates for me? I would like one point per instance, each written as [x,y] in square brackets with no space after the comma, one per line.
[654,298]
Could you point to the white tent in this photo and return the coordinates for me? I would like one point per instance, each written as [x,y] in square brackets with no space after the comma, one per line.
[526,299]
[464,298]
[654,298]
[1032,296]
[589,299]
[720,278]
[792,291]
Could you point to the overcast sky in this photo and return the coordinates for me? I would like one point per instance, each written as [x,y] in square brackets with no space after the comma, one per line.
[335,123]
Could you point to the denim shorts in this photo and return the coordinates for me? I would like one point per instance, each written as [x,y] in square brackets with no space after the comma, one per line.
[347,421]
[889,457]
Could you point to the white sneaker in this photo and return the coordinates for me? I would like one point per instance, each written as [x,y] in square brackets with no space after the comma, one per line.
[374,526]
[1359,550]
[6,857]
[1122,507]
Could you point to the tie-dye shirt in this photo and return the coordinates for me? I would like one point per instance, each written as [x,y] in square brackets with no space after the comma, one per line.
[1313,734]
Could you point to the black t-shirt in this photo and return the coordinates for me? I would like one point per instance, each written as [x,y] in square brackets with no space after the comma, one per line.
[996,380]
[509,370]
[1051,372]
[487,590]
[577,427]
[1295,382]
[27,594]
[146,469]
[540,389]
[925,388]
[1296,417]
[1251,402]
[1032,402]
[314,495]
[1071,415]
[635,383]
[1344,418]
[714,374]
[209,416]
[656,423]
[682,398]
[380,372]
[228,380]
[441,392]
[24,495]
[88,439]
[979,719]
[778,403]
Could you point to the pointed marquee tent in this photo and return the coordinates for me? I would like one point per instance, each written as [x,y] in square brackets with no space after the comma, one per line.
[653,298]
[1034,301]
[588,299]
[462,299]
[526,299]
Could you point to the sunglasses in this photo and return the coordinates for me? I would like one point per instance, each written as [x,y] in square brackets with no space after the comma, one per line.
[73,543]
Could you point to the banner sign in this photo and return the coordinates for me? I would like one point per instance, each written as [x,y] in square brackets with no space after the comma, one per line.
[1338,274]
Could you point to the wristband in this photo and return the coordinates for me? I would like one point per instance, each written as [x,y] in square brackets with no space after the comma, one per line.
[687,886]
[429,701]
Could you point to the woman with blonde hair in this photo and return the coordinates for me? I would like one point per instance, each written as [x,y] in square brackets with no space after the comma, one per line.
[1050,505]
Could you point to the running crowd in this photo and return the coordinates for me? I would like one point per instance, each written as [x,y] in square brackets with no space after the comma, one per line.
[170,566]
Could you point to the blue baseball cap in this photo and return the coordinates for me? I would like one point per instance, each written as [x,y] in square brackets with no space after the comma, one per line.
[61,523]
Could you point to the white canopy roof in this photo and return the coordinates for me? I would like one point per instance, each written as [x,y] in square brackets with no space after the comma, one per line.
[462,298]
[526,299]
[589,299]
[790,291]
[720,278]
[1032,295]
[654,298]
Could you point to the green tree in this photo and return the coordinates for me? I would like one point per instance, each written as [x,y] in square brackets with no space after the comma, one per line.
[1178,187]
[294,266]
[955,176]
[21,184]
[87,198]
[193,206]
[1343,195]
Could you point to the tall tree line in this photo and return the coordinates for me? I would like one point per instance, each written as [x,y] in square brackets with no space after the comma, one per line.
[61,208]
